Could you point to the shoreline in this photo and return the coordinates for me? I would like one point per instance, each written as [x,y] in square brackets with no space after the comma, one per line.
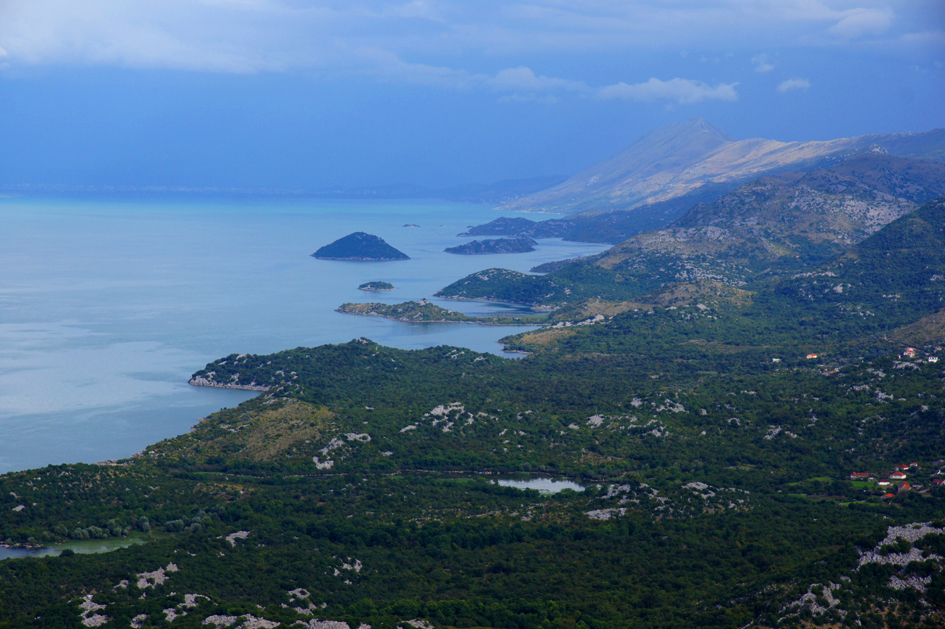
[498,301]
[362,259]
[200,381]
[401,320]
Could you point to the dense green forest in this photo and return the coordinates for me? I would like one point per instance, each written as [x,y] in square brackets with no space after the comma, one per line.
[712,431]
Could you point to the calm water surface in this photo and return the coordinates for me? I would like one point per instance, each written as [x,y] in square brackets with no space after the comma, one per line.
[107,306]
[543,485]
[87,547]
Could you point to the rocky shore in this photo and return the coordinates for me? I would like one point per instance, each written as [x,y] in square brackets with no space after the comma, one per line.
[200,381]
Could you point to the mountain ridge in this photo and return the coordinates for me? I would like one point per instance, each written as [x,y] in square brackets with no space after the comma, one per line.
[646,172]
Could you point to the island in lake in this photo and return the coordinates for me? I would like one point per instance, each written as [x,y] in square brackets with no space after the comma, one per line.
[360,246]
[494,245]
[376,286]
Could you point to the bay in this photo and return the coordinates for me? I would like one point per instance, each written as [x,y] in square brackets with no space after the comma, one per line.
[107,305]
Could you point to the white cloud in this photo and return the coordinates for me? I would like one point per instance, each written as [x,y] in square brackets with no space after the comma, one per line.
[761,63]
[523,79]
[521,84]
[683,91]
[859,22]
[546,99]
[794,84]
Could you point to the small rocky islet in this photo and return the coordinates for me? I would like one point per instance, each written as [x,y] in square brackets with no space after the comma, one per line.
[376,286]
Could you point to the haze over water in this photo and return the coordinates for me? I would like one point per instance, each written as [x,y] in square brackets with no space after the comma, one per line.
[108,306]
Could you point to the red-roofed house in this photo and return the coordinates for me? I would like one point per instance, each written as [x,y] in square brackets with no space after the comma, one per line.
[897,476]
[859,475]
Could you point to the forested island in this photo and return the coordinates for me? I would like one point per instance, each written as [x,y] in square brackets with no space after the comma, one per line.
[360,246]
[376,286]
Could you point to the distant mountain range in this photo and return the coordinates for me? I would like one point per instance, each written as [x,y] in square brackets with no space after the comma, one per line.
[783,223]
[773,227]
[696,159]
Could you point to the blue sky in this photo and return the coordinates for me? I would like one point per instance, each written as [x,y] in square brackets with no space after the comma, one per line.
[306,95]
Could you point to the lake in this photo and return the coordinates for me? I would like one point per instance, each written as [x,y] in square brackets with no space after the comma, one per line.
[542,485]
[107,305]
[86,547]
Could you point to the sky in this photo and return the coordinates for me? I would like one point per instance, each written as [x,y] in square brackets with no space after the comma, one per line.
[309,95]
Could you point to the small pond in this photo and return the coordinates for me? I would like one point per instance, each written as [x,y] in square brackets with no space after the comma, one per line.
[544,485]
[84,547]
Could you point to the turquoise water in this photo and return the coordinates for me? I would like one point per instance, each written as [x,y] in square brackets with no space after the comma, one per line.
[108,306]
[88,547]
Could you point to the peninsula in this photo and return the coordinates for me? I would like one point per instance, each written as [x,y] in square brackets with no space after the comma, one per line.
[424,311]
[522,244]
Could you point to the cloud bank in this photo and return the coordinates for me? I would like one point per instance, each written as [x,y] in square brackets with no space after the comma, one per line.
[683,91]
[326,35]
